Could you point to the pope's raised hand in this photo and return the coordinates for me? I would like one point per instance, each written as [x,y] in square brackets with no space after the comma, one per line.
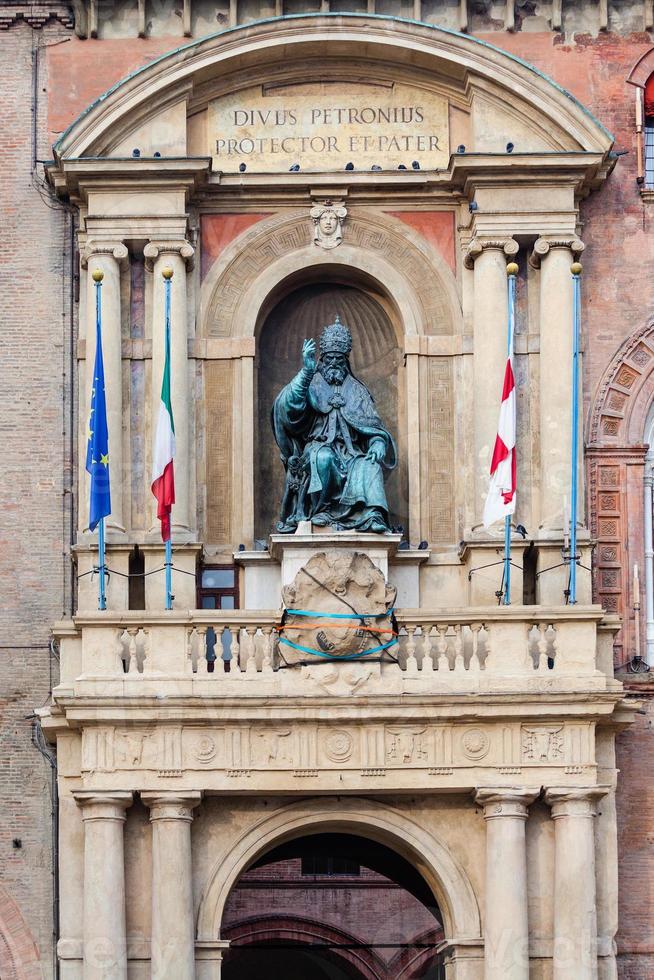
[309,355]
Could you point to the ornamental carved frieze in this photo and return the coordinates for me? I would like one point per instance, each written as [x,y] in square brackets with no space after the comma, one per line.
[306,750]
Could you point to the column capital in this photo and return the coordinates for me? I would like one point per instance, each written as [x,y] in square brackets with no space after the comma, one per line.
[172,806]
[158,249]
[507,245]
[574,801]
[505,801]
[103,806]
[542,247]
[118,250]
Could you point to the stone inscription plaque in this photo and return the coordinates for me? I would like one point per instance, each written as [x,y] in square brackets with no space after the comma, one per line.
[325,129]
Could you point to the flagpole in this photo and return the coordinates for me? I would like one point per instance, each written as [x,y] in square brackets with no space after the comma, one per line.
[167,274]
[576,270]
[98,276]
[511,271]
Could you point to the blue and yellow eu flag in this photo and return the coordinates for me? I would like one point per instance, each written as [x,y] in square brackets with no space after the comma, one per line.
[97,448]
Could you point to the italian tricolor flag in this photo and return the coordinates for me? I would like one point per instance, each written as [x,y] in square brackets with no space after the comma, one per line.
[163,454]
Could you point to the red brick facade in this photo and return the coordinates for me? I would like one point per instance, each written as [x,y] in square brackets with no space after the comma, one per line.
[47,77]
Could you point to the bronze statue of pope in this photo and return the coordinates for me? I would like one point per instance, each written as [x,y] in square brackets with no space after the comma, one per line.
[333,444]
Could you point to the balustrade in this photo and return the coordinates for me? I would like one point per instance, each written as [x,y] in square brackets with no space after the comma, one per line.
[453,647]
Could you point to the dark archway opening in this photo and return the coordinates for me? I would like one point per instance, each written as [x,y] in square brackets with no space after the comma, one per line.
[332,906]
[376,359]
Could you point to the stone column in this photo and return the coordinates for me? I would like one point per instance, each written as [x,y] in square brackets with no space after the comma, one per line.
[172,255]
[506,927]
[107,257]
[105,950]
[490,321]
[575,912]
[173,931]
[554,257]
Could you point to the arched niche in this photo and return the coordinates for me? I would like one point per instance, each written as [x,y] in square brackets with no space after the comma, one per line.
[304,307]
[434,861]
[413,287]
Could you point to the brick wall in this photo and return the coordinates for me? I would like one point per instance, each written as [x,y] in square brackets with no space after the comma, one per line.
[36,316]
[34,420]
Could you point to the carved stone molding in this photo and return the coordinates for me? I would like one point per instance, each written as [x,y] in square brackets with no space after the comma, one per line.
[507,245]
[284,234]
[575,801]
[625,392]
[103,806]
[117,249]
[328,217]
[542,247]
[35,15]
[153,250]
[172,806]
[505,801]
[314,748]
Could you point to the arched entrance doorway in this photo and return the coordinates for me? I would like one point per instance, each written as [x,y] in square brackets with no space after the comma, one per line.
[335,906]
[303,310]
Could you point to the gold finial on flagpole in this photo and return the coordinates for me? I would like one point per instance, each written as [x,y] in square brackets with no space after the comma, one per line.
[167,273]
[97,275]
[512,269]
[576,268]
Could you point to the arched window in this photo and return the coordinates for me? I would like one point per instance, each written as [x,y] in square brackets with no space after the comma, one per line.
[648,131]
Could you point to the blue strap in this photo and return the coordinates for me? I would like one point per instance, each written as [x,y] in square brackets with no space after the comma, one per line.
[326,615]
[329,656]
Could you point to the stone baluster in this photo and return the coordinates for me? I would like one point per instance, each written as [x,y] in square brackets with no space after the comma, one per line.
[235,664]
[202,662]
[133,665]
[173,931]
[172,255]
[411,662]
[427,661]
[575,916]
[250,633]
[554,258]
[506,927]
[267,662]
[443,659]
[490,312]
[459,663]
[475,629]
[104,945]
[107,257]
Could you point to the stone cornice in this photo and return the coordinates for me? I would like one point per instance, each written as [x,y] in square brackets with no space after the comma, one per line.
[35,15]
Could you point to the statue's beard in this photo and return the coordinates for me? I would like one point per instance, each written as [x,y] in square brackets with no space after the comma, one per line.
[333,375]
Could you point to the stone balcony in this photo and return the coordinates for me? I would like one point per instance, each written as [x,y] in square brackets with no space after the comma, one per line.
[208,654]
[471,697]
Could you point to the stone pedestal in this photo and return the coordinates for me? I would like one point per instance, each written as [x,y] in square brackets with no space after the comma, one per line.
[104,942]
[117,583]
[185,560]
[173,953]
[575,907]
[506,928]
[294,550]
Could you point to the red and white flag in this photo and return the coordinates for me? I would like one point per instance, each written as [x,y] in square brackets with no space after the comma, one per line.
[500,501]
